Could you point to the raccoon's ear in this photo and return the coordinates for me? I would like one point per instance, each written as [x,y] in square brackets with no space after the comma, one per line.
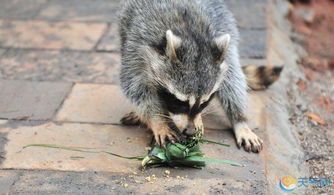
[173,42]
[222,42]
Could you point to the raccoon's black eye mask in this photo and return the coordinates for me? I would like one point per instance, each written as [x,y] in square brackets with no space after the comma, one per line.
[173,104]
[176,106]
[197,108]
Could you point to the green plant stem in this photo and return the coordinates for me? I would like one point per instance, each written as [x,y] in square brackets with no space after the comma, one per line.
[79,150]
[213,142]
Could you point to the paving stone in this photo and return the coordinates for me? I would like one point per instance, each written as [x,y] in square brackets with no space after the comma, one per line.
[85,136]
[46,35]
[7,179]
[2,51]
[122,140]
[3,141]
[111,40]
[25,9]
[31,100]
[51,182]
[59,182]
[80,10]
[253,43]
[249,14]
[37,65]
[94,103]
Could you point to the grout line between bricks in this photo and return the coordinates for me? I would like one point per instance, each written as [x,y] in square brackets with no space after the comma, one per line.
[60,50]
[62,122]
[114,20]
[59,81]
[62,102]
[5,52]
[94,123]
[56,21]
[42,6]
[21,170]
[87,123]
[105,33]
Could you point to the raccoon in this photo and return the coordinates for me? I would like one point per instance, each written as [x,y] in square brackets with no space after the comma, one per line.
[177,55]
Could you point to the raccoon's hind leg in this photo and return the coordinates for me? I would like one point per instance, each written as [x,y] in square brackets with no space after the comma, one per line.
[131,119]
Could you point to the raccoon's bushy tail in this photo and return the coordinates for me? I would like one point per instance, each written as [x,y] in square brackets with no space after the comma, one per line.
[261,77]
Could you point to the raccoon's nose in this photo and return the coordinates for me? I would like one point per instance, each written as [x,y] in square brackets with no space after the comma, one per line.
[189,129]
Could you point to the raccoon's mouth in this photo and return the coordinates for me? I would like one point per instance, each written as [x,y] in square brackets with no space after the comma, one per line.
[182,124]
[183,115]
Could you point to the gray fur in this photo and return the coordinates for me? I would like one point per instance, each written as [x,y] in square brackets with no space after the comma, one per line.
[146,66]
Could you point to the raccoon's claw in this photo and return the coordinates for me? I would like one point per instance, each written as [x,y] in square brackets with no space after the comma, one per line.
[248,139]
[161,136]
[250,144]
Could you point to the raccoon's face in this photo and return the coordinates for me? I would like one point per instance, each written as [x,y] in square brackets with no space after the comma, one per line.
[188,72]
[184,111]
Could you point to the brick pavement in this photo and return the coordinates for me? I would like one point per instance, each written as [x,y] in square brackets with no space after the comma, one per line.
[58,68]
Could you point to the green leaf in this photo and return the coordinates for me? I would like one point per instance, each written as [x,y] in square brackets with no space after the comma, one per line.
[125,157]
[205,159]
[145,161]
[58,147]
[213,142]
[175,155]
[195,148]
[151,160]
[156,150]
[188,163]
[80,150]
[195,154]
[180,146]
[176,152]
[162,156]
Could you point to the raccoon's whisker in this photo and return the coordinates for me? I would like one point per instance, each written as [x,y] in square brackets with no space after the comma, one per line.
[208,111]
[205,114]
[164,116]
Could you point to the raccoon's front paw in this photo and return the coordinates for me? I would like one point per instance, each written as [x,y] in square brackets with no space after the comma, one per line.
[163,133]
[246,137]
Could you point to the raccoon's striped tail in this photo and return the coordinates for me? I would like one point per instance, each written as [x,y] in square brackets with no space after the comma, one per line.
[261,77]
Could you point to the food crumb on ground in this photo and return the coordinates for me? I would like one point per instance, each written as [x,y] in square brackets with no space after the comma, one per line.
[167,172]
[148,178]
